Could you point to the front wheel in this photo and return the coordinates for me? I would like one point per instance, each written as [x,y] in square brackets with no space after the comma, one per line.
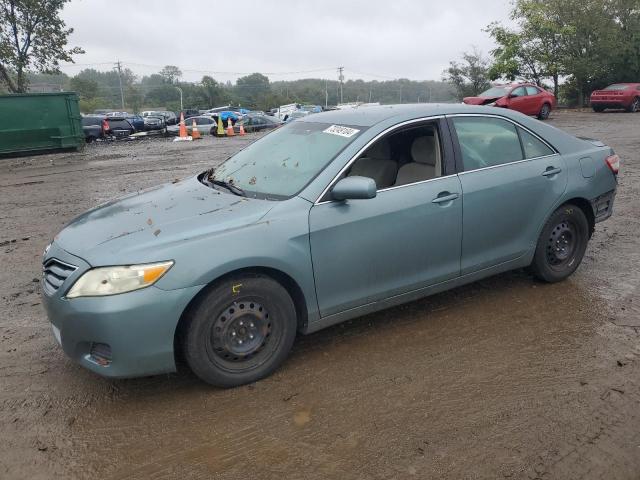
[240,331]
[544,112]
[598,109]
[561,245]
[635,105]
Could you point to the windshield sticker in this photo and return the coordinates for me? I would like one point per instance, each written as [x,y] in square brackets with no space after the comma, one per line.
[341,131]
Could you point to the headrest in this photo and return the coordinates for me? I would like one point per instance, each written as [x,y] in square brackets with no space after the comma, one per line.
[379,150]
[423,150]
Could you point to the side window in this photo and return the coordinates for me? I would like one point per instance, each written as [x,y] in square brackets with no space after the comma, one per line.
[532,91]
[406,156]
[532,146]
[519,92]
[486,142]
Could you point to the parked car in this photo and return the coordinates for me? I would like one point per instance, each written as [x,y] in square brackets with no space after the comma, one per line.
[325,219]
[154,120]
[136,120]
[256,123]
[204,123]
[295,115]
[188,113]
[93,127]
[169,117]
[525,98]
[618,95]
[109,127]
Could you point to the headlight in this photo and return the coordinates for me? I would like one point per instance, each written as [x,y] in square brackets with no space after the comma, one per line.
[103,281]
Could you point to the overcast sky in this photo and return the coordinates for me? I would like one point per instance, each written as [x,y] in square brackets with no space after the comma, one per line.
[286,39]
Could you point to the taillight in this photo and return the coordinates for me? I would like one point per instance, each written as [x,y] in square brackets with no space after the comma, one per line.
[613,162]
[105,125]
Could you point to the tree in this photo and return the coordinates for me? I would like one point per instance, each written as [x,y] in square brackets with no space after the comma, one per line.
[213,94]
[252,90]
[171,74]
[32,37]
[87,89]
[469,77]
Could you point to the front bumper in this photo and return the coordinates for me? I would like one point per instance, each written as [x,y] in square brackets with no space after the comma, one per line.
[138,326]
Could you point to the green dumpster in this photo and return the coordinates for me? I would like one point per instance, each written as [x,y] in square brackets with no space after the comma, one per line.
[39,121]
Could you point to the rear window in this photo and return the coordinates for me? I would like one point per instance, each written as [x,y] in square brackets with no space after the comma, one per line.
[86,121]
[617,87]
[118,124]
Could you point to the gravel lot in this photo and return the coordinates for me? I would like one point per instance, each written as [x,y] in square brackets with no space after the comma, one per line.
[505,378]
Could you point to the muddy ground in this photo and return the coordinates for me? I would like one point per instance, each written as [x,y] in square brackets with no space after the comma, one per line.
[505,378]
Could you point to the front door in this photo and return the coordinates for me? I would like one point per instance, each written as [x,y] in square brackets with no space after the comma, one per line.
[406,238]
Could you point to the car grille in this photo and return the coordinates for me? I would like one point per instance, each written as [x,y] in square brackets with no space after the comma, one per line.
[54,273]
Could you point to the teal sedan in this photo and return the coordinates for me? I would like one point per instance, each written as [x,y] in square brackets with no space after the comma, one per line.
[330,217]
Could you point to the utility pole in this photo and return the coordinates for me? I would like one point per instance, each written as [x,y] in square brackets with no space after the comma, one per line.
[326,94]
[119,69]
[400,93]
[369,95]
[180,90]
[341,79]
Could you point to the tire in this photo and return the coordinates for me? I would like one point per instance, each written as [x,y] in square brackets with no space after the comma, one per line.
[544,111]
[240,331]
[635,105]
[598,109]
[561,245]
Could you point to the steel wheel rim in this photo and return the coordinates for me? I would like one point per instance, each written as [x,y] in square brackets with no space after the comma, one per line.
[561,245]
[239,334]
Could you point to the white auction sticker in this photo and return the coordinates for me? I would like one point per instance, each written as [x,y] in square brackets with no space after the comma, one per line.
[342,131]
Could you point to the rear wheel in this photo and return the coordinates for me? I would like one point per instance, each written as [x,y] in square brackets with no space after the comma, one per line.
[635,105]
[561,245]
[240,331]
[598,109]
[544,111]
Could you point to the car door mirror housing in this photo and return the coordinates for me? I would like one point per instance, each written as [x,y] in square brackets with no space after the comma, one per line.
[354,188]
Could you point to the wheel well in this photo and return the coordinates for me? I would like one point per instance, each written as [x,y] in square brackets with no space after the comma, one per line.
[282,278]
[586,208]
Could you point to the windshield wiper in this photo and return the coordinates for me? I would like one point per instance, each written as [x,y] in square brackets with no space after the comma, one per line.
[209,177]
[229,186]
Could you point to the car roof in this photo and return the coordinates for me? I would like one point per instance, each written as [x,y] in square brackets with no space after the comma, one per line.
[369,116]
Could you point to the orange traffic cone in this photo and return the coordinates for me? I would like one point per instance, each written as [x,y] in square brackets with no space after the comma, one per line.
[230,132]
[195,133]
[183,127]
[242,132]
[183,135]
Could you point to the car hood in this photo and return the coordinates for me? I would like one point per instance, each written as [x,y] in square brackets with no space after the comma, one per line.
[479,100]
[129,229]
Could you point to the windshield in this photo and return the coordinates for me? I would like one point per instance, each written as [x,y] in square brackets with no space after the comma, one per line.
[495,92]
[281,163]
[617,87]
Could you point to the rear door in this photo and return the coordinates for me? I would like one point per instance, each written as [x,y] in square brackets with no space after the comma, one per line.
[535,98]
[511,180]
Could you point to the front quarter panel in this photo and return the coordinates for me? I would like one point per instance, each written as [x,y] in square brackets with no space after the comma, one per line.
[280,241]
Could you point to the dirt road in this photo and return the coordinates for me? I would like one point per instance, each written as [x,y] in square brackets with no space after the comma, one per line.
[505,378]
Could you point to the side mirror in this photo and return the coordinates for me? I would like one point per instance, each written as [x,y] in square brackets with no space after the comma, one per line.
[354,188]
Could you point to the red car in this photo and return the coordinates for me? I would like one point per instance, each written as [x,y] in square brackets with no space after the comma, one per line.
[525,98]
[618,95]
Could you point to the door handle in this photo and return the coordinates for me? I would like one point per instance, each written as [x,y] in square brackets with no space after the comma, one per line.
[551,171]
[445,197]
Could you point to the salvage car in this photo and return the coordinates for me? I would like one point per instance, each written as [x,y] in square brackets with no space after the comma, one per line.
[204,123]
[101,126]
[327,218]
[617,96]
[525,98]
[256,123]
